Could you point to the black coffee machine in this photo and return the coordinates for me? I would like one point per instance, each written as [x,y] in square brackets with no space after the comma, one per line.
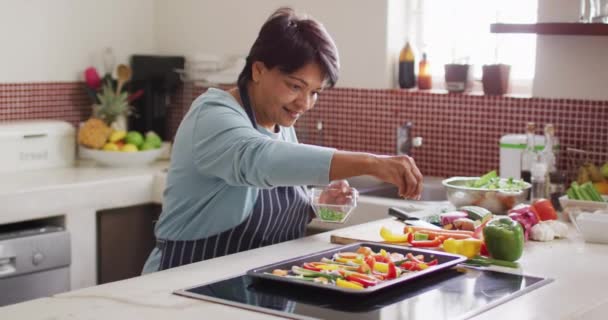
[157,77]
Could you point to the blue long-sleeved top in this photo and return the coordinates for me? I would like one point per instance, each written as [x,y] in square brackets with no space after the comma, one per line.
[218,163]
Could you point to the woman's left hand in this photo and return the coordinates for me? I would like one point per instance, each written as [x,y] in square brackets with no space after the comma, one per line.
[338,192]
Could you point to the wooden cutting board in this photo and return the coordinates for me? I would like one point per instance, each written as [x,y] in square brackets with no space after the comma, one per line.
[369,233]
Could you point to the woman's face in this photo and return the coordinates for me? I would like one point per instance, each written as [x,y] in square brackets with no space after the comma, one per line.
[281,98]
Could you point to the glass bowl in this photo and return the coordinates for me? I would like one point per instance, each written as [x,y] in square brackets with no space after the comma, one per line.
[496,200]
[331,206]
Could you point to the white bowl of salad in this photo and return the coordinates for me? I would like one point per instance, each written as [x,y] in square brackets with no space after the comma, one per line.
[496,194]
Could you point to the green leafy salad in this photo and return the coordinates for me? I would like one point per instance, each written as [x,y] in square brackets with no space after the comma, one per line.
[491,181]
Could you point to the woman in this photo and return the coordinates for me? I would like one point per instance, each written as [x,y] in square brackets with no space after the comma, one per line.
[237,171]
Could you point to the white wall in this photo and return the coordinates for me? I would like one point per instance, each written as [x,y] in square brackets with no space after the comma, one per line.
[230,27]
[569,66]
[56,40]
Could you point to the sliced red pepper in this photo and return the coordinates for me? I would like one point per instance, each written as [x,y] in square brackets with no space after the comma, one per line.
[370,261]
[410,237]
[411,257]
[363,282]
[309,266]
[381,258]
[392,271]
[410,266]
[432,262]
[484,250]
[426,243]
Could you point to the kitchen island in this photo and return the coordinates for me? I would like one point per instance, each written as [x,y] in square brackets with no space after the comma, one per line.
[577,292]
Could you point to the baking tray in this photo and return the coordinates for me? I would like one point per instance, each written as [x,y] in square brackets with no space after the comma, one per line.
[445,260]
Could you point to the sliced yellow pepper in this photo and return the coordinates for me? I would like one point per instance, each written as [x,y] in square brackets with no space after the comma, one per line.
[467,247]
[389,236]
[348,284]
[328,267]
[381,267]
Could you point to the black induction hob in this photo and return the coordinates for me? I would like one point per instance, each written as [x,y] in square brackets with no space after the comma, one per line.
[456,293]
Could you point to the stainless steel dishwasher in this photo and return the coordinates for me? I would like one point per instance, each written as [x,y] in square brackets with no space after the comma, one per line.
[34,263]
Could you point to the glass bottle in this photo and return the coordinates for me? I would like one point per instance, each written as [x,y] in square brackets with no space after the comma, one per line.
[529,154]
[424,74]
[407,76]
[556,180]
[539,180]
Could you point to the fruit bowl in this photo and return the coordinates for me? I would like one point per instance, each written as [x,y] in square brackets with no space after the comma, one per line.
[120,159]
[498,201]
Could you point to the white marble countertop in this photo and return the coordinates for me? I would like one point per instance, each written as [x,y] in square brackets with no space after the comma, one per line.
[578,292]
[84,186]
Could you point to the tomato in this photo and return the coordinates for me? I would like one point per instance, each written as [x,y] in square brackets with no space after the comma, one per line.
[544,209]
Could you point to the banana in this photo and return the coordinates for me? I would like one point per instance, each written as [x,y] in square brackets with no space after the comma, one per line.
[594,172]
[583,175]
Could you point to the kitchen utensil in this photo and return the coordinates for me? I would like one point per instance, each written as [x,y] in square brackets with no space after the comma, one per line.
[91,78]
[445,260]
[135,95]
[123,72]
[409,220]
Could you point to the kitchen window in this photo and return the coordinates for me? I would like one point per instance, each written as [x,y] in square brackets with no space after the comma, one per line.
[459,31]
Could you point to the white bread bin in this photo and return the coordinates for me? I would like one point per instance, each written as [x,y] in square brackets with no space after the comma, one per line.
[36,144]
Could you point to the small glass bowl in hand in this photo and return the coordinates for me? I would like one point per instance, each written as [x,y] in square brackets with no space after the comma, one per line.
[333,205]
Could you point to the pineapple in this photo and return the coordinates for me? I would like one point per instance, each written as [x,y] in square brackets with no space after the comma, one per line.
[111,105]
[94,133]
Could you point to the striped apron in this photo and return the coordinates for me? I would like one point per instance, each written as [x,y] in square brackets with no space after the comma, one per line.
[279,214]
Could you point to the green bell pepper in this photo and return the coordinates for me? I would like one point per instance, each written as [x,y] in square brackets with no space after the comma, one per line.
[504,239]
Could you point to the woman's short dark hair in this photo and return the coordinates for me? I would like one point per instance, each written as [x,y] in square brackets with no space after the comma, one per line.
[289,42]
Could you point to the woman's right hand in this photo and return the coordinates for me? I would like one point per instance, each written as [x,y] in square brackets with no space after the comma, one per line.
[400,171]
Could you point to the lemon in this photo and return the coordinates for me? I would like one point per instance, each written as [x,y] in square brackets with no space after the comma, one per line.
[117,135]
[129,148]
[110,147]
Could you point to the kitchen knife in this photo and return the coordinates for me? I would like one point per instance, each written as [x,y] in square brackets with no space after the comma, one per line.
[412,221]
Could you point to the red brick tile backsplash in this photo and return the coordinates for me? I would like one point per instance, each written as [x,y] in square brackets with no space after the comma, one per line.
[460,132]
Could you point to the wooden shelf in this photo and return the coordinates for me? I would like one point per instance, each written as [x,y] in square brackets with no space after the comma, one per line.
[572,29]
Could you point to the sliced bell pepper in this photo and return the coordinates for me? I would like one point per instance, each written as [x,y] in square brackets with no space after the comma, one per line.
[413,258]
[427,243]
[467,247]
[389,236]
[348,284]
[348,255]
[370,261]
[310,266]
[381,258]
[363,282]
[392,271]
[381,267]
[421,236]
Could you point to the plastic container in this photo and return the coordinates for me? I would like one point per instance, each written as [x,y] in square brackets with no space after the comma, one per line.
[496,200]
[330,209]
[571,205]
[591,226]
